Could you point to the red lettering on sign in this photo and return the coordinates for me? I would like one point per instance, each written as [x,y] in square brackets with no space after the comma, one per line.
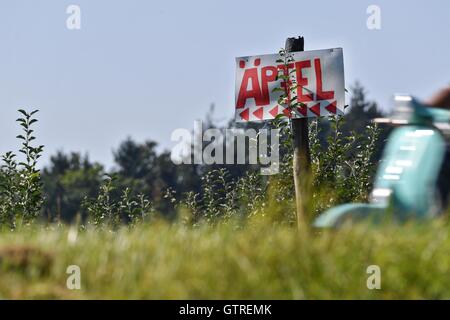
[274,111]
[302,82]
[284,84]
[250,76]
[303,110]
[259,113]
[244,114]
[260,91]
[321,95]
[332,107]
[316,109]
[265,79]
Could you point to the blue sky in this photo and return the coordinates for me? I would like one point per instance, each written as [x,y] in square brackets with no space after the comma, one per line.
[144,68]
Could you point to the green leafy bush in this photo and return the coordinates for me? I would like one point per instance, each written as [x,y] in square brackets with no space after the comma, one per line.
[21,188]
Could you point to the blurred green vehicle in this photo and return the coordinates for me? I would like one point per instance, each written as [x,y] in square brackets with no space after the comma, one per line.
[413,176]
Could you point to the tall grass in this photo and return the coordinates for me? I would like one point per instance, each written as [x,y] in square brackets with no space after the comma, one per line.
[226,261]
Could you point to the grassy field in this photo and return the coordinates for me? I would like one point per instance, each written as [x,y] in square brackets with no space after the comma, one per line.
[229,261]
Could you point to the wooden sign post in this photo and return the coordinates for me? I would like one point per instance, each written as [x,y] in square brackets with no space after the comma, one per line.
[302,156]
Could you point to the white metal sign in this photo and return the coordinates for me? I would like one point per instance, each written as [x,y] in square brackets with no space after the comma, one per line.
[320,82]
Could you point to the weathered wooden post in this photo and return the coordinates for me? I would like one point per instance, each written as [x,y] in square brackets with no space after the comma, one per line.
[302,157]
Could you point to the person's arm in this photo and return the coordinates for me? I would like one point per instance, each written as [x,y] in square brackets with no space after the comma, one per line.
[441,99]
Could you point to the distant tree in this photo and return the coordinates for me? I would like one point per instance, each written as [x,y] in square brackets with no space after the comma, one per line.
[135,160]
[360,111]
[146,172]
[360,114]
[67,180]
